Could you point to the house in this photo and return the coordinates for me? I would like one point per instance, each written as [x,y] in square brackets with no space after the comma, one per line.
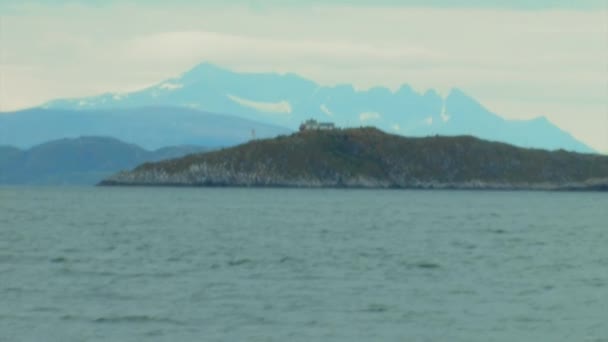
[312,124]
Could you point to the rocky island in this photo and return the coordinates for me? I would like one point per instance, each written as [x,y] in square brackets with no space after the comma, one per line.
[370,158]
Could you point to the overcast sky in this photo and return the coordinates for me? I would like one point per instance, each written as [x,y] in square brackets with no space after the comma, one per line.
[519,58]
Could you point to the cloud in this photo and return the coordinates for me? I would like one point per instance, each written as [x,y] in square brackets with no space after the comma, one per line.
[369,116]
[266,5]
[282,107]
[229,48]
[428,121]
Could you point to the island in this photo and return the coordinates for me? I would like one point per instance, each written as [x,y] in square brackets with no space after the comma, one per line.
[370,158]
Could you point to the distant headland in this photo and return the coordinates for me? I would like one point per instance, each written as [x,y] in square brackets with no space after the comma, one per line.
[321,156]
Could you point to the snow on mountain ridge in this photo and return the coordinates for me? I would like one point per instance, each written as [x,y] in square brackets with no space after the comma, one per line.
[288,99]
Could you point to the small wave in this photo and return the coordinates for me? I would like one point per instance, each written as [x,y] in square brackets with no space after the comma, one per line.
[421,264]
[73,271]
[45,309]
[376,308]
[136,319]
[427,265]
[530,319]
[107,273]
[288,259]
[149,275]
[71,250]
[154,333]
[21,290]
[595,282]
[464,244]
[468,292]
[239,262]
[59,260]
[174,258]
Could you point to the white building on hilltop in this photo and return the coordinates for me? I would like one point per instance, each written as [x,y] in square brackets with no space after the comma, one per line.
[312,125]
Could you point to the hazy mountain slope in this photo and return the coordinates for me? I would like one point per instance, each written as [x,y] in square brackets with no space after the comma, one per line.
[150,127]
[8,152]
[286,100]
[84,160]
[463,115]
[370,158]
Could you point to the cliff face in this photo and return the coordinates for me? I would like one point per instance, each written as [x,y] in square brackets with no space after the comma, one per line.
[369,158]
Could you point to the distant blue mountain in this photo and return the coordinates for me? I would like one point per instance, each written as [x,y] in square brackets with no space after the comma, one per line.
[287,99]
[83,160]
[149,127]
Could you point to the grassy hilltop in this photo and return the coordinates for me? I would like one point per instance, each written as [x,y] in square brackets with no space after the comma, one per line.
[368,157]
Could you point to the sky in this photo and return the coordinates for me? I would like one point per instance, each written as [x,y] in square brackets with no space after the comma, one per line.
[519,58]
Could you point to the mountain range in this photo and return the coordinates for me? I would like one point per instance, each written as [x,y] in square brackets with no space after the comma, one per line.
[83,160]
[285,100]
[151,127]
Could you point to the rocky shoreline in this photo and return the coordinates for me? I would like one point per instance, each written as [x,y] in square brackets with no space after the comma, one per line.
[147,181]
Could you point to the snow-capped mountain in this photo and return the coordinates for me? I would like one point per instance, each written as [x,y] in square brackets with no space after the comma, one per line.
[287,99]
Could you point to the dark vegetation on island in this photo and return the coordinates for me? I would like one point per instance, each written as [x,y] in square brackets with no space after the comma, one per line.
[370,158]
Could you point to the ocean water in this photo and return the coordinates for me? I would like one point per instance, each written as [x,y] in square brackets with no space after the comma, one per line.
[172,264]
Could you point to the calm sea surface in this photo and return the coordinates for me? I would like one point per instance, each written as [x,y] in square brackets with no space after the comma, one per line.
[145,264]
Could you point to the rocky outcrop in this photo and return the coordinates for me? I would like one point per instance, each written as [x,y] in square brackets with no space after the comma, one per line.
[369,158]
